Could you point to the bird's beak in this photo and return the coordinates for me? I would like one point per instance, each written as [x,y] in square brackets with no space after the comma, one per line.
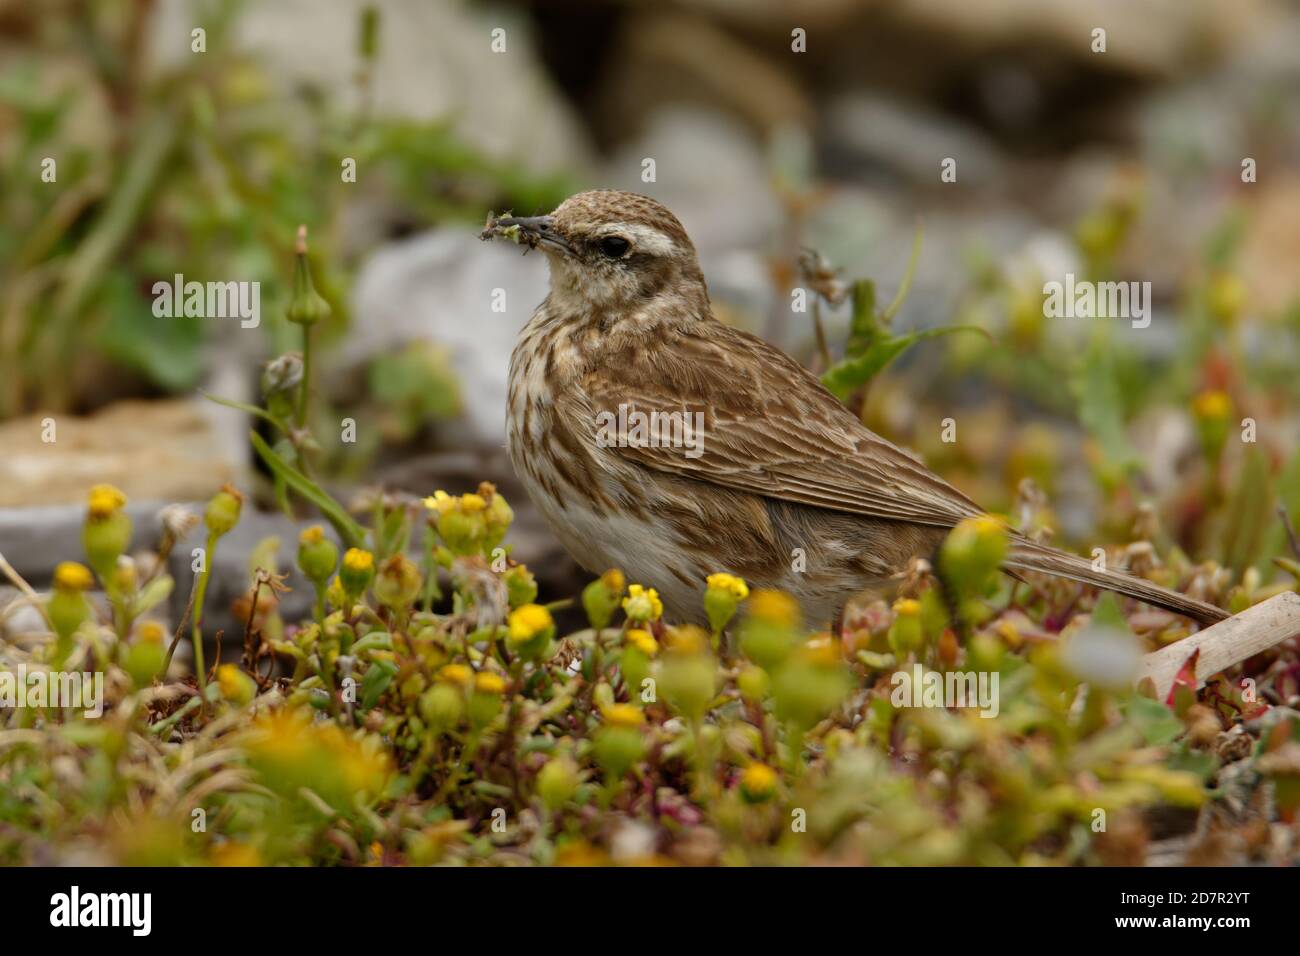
[537,231]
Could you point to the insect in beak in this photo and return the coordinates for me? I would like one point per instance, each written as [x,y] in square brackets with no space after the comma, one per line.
[532,231]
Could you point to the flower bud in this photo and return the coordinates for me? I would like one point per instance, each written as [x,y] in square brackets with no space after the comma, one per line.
[356,572]
[107,531]
[688,675]
[442,705]
[145,655]
[317,555]
[642,604]
[1212,410]
[530,629]
[521,586]
[306,307]
[223,510]
[398,582]
[498,516]
[771,630]
[485,698]
[758,783]
[972,553]
[722,596]
[905,633]
[617,747]
[67,606]
[600,598]
[236,686]
[557,782]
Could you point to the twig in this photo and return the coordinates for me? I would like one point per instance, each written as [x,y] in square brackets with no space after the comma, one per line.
[180,629]
[1289,529]
[1229,642]
[26,588]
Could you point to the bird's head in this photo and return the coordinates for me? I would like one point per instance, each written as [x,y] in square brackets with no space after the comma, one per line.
[613,252]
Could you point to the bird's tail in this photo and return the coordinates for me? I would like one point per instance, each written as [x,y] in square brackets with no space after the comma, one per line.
[1032,556]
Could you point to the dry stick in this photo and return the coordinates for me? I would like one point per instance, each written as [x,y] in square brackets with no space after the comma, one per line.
[180,629]
[8,570]
[1229,642]
[1289,529]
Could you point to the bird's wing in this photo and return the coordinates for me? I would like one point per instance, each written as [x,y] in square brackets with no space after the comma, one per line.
[770,428]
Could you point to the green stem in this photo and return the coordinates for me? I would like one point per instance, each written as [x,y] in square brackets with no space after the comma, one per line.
[197,632]
[307,383]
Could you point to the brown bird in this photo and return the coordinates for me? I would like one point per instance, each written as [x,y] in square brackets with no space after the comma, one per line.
[660,441]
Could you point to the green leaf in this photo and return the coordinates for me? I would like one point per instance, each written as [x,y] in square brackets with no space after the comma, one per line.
[166,351]
[378,676]
[1251,508]
[351,532]
[850,373]
[1153,720]
[152,594]
[1101,405]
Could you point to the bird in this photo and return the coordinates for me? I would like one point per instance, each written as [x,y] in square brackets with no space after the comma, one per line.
[656,439]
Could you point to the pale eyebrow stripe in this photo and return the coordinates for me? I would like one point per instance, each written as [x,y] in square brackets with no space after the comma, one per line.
[644,238]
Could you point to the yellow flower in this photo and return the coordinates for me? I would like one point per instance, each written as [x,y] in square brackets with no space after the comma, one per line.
[487,682]
[687,639]
[774,607]
[729,583]
[643,641]
[822,649]
[643,604]
[624,715]
[231,853]
[1212,405]
[614,580]
[235,685]
[758,782]
[443,503]
[105,500]
[907,607]
[440,502]
[528,621]
[457,674]
[313,535]
[151,632]
[71,576]
[358,561]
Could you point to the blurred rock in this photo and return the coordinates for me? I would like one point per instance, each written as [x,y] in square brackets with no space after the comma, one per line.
[166,450]
[440,286]
[434,61]
[907,141]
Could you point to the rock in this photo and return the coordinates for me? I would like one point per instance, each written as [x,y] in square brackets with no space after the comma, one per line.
[166,450]
[440,287]
[434,61]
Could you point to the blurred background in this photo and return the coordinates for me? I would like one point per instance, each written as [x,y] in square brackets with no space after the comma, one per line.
[774,127]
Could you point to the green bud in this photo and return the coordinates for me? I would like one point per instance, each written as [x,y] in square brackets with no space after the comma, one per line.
[688,683]
[521,586]
[557,782]
[306,307]
[441,706]
[617,749]
[223,510]
[600,598]
[317,555]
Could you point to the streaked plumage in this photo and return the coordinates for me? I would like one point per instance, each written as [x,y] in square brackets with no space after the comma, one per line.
[785,465]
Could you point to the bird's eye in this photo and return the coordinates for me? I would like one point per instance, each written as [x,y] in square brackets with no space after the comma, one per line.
[614,247]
